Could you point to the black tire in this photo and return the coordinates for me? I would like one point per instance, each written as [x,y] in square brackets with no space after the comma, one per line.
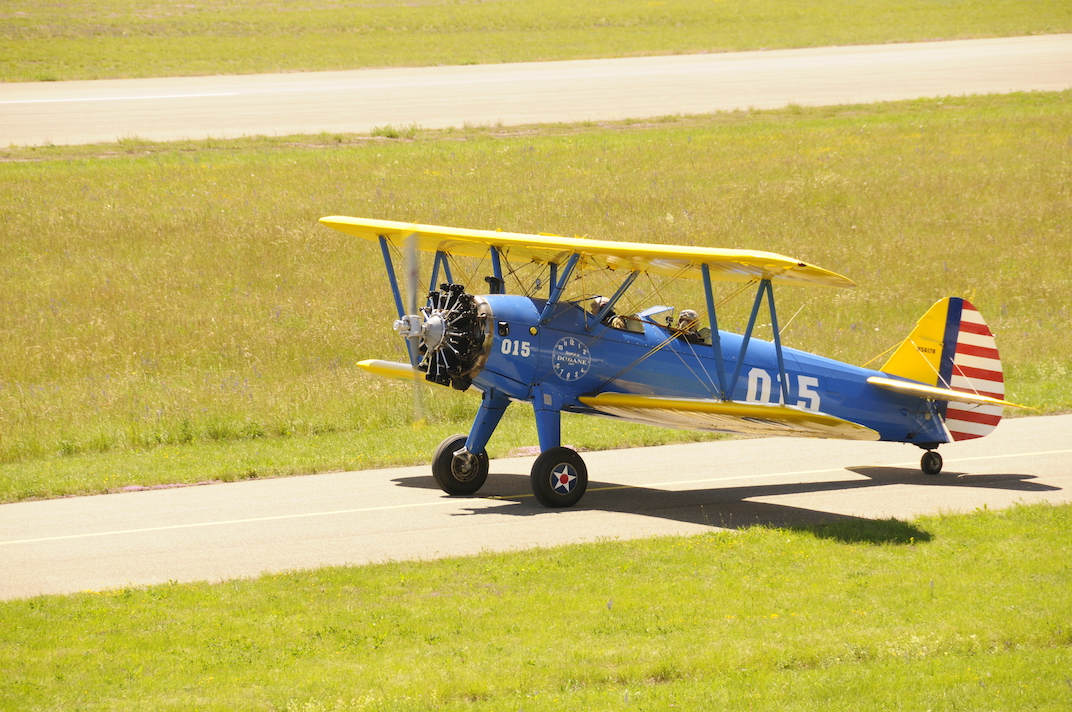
[931,464]
[559,477]
[450,472]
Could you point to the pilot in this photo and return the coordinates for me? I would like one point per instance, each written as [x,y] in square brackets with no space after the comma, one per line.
[688,322]
[611,319]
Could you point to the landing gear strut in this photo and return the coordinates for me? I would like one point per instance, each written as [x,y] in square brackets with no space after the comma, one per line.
[456,470]
[559,477]
[931,464]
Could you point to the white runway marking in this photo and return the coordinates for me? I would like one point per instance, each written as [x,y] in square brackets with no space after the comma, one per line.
[147,97]
[251,520]
[450,501]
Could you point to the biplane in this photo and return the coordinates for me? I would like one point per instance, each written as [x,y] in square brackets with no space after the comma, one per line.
[541,340]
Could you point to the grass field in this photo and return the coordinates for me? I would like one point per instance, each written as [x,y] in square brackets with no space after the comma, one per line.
[182,295]
[964,612]
[96,39]
[173,313]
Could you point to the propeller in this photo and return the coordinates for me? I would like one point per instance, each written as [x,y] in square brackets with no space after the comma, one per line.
[447,337]
[416,324]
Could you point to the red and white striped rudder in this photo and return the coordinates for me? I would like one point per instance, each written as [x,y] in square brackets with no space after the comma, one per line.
[976,368]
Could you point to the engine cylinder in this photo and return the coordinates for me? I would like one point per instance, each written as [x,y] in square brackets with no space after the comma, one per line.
[456,337]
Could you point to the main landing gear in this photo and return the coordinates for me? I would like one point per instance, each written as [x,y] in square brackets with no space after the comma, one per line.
[559,476]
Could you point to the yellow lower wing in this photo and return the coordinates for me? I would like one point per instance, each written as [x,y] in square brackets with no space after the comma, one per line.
[727,416]
[397,371]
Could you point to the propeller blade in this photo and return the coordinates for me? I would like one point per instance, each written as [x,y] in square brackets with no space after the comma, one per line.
[412,275]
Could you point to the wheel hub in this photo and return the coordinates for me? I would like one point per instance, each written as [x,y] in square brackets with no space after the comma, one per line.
[464,466]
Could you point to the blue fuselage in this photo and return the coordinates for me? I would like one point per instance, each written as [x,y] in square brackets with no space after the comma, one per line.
[554,363]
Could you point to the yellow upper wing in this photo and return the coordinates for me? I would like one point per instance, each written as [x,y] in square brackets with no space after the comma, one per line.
[667,260]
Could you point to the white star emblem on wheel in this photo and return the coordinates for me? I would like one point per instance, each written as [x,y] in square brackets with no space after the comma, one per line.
[562,478]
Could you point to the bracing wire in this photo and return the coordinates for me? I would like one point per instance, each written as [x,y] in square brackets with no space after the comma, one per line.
[876,358]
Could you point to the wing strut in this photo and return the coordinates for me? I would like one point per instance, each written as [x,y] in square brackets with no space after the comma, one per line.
[591,321]
[384,248]
[764,289]
[783,377]
[557,286]
[716,342]
[496,265]
[440,258]
[391,276]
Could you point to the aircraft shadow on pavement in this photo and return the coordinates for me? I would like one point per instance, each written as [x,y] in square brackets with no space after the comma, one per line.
[732,507]
[911,476]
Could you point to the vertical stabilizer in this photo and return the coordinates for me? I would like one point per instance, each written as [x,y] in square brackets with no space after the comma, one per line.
[952,347]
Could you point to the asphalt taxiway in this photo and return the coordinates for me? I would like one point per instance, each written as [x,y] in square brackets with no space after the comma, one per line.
[242,529]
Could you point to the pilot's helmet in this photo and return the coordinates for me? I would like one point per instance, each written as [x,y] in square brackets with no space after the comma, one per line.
[687,317]
[598,303]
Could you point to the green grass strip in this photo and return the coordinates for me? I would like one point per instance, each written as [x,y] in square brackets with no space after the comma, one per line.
[967,612]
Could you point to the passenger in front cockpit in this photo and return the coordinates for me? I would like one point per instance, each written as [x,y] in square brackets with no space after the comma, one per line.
[610,318]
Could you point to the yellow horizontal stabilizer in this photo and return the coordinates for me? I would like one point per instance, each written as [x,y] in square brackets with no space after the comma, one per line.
[727,416]
[667,260]
[937,393]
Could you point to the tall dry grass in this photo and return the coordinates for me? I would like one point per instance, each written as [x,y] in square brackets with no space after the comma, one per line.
[162,294]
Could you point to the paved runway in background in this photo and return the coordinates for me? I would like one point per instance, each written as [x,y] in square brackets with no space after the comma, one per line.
[513,94]
[242,529]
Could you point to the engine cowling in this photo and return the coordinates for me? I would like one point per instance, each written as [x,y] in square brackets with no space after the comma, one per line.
[453,333]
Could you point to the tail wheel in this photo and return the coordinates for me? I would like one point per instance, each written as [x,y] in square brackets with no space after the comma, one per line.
[458,474]
[931,464]
[559,477]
